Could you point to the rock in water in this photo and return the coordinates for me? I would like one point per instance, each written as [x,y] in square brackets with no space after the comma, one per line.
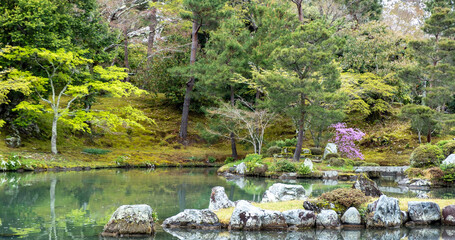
[219,199]
[330,148]
[351,217]
[385,213]
[193,218]
[241,168]
[130,220]
[449,160]
[448,215]
[273,220]
[284,192]
[299,218]
[327,219]
[330,175]
[424,212]
[367,186]
[246,217]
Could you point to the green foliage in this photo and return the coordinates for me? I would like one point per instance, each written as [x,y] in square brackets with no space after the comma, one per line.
[449,172]
[229,160]
[316,151]
[336,162]
[346,197]
[285,166]
[286,143]
[332,155]
[155,216]
[273,150]
[211,159]
[252,161]
[426,156]
[448,148]
[303,170]
[13,162]
[96,151]
[414,172]
[122,160]
[370,96]
[370,164]
[423,118]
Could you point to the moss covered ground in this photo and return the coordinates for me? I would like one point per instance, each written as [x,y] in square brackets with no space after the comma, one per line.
[386,143]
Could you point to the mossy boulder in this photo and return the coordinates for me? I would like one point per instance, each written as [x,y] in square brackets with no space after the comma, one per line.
[448,148]
[426,156]
[130,220]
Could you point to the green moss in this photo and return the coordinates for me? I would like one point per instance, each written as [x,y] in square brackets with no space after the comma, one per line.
[426,156]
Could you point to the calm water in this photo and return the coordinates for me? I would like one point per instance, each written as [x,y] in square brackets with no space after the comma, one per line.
[76,205]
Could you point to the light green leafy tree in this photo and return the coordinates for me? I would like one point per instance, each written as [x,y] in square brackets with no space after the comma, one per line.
[59,79]
[423,119]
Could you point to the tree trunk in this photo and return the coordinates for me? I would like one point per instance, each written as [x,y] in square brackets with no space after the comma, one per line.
[233,145]
[420,137]
[429,136]
[298,148]
[151,39]
[125,49]
[299,11]
[189,85]
[54,134]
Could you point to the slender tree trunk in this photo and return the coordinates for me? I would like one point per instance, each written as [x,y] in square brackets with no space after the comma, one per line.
[233,145]
[420,137]
[429,136]
[151,39]
[190,84]
[299,11]
[54,133]
[125,49]
[298,148]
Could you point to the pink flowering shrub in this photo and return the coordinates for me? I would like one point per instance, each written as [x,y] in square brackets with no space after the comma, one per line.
[345,140]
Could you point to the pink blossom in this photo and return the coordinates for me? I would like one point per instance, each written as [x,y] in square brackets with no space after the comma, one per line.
[345,140]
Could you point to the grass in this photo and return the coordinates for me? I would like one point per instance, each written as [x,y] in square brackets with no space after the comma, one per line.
[224,215]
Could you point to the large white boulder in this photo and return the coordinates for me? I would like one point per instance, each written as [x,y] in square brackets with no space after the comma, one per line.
[449,160]
[385,213]
[330,148]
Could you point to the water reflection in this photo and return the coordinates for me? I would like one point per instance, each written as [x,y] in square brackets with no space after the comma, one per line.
[76,205]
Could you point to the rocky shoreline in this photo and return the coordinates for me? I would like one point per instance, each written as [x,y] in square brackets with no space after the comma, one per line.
[384,213]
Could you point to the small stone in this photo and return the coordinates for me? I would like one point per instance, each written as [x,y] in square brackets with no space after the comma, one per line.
[308,163]
[420,183]
[425,212]
[351,217]
[219,199]
[330,174]
[307,205]
[130,220]
[327,219]
[448,215]
[13,142]
[404,217]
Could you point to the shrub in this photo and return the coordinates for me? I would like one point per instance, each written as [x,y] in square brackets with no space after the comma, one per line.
[414,172]
[436,175]
[346,197]
[11,163]
[426,156]
[252,161]
[121,160]
[449,172]
[442,143]
[332,155]
[287,142]
[358,163]
[273,150]
[336,162]
[349,162]
[285,166]
[96,151]
[228,160]
[316,151]
[303,170]
[448,148]
[211,159]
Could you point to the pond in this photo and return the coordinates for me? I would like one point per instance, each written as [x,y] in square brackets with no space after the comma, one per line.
[76,205]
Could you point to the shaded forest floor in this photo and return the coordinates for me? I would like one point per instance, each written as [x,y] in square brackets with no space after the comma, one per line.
[387,143]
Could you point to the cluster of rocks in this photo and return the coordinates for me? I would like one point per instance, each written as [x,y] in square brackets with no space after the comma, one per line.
[384,213]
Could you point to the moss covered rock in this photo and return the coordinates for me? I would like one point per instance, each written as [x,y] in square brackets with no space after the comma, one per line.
[131,220]
[426,156]
[448,148]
